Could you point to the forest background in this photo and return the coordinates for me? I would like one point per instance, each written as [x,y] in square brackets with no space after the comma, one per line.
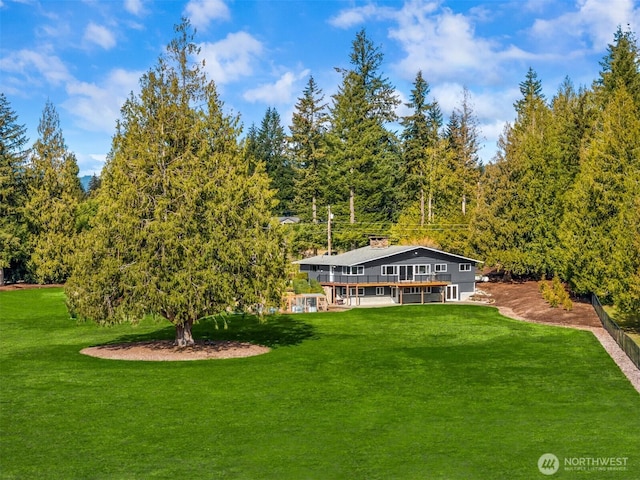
[561,197]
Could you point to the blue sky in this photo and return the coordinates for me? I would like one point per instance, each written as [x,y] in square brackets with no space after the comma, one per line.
[86,56]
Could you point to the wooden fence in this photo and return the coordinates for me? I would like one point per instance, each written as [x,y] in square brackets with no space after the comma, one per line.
[626,343]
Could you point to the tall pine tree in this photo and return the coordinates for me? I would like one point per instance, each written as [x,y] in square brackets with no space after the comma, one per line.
[516,223]
[601,223]
[364,154]
[272,150]
[54,193]
[309,149]
[13,232]
[183,228]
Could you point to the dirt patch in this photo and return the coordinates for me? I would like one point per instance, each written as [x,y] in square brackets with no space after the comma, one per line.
[157,351]
[525,301]
[27,286]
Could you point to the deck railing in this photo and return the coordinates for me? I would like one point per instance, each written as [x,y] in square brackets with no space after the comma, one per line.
[625,342]
[382,279]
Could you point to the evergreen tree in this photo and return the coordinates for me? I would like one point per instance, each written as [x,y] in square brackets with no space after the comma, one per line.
[463,136]
[621,66]
[419,135]
[364,154]
[516,223]
[94,184]
[12,191]
[183,229]
[309,149]
[271,149]
[54,192]
[601,223]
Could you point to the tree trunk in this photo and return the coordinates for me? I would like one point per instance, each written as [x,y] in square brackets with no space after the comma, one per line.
[184,337]
[313,206]
[430,209]
[1,277]
[422,207]
[352,206]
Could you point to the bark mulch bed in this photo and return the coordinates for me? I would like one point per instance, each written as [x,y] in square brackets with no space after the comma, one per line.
[165,350]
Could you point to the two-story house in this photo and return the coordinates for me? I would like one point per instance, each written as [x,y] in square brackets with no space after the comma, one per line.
[386,274]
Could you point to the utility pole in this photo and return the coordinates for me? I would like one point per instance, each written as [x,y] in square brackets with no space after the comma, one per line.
[329,230]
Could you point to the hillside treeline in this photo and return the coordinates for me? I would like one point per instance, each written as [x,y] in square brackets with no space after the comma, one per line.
[561,197]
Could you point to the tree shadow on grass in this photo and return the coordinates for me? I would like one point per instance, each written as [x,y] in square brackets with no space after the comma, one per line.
[276,331]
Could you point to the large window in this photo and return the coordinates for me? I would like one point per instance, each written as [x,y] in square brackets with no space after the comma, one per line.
[389,269]
[440,267]
[360,292]
[423,269]
[356,270]
[465,267]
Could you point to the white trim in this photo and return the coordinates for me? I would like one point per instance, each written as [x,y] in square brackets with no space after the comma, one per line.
[441,269]
[348,270]
[394,270]
[379,291]
[466,269]
[452,293]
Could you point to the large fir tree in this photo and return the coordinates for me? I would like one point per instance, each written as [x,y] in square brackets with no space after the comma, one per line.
[12,191]
[309,149]
[54,193]
[602,220]
[517,219]
[183,228]
[621,66]
[420,135]
[270,148]
[364,153]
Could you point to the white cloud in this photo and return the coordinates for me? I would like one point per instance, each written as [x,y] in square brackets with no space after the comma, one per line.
[443,45]
[358,15]
[203,12]
[100,36]
[97,107]
[134,7]
[280,92]
[590,27]
[31,65]
[232,57]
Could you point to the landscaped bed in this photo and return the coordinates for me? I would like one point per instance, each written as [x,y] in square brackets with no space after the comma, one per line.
[435,391]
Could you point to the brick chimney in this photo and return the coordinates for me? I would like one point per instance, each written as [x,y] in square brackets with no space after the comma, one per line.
[379,242]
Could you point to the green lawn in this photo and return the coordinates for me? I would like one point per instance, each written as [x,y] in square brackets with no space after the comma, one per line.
[418,392]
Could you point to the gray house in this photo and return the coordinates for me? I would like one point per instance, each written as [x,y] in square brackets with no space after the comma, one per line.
[392,274]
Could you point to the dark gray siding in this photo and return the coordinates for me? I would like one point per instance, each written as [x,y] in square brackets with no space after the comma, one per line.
[372,271]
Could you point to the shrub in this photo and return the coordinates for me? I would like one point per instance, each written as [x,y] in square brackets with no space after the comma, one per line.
[556,294]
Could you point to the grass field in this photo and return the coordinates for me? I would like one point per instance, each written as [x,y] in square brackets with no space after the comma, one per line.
[424,392]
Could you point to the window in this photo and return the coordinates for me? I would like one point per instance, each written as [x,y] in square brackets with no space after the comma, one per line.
[423,269]
[440,267]
[414,290]
[379,291]
[465,267]
[389,269]
[360,292]
[357,270]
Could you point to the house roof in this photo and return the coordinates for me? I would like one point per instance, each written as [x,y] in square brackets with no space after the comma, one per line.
[368,254]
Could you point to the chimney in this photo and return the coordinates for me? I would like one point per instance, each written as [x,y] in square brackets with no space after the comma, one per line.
[379,242]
